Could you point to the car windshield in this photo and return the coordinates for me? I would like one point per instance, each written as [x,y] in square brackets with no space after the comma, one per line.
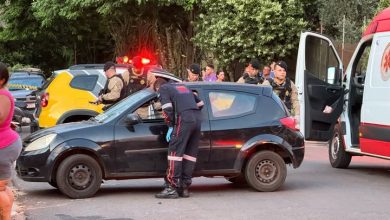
[122,106]
[30,83]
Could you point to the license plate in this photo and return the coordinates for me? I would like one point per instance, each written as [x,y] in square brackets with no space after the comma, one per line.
[30,105]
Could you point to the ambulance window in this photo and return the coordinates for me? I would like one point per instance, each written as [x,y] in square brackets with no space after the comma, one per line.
[362,60]
[320,57]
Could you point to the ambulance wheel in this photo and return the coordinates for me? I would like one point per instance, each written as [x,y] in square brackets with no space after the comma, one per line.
[79,176]
[266,171]
[338,158]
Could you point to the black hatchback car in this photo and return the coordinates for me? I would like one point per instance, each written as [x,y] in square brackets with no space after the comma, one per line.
[247,134]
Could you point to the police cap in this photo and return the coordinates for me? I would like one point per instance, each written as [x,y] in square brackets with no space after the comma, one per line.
[282,64]
[108,65]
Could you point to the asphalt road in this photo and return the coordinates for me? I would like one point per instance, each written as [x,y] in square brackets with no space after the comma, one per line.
[313,191]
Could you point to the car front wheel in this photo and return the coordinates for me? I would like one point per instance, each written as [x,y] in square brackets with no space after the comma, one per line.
[338,158]
[79,176]
[266,171]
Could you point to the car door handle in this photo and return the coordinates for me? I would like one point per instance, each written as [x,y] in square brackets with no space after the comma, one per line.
[333,90]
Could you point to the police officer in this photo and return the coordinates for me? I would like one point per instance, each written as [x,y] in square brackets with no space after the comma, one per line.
[135,77]
[285,89]
[113,90]
[251,75]
[181,108]
[193,73]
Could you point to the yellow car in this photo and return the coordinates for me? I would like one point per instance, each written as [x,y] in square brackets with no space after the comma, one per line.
[67,94]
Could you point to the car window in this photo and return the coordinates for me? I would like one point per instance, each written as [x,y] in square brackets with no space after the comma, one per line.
[150,110]
[122,106]
[31,83]
[230,104]
[321,59]
[84,82]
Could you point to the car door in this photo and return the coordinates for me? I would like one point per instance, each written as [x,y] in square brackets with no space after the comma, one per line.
[142,147]
[319,83]
[231,114]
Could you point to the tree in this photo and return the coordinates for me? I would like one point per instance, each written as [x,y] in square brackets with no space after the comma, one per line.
[25,39]
[235,31]
[357,15]
[162,28]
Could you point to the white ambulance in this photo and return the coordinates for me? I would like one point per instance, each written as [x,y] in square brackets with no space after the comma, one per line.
[351,110]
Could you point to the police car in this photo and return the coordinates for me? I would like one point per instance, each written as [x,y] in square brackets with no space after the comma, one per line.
[246,134]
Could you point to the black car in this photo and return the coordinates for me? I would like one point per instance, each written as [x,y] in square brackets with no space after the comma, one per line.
[246,132]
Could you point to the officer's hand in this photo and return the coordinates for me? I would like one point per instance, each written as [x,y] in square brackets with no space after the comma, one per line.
[169,133]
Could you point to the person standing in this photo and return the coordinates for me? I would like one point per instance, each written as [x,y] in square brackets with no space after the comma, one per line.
[193,73]
[252,73]
[135,78]
[266,73]
[114,90]
[285,89]
[220,76]
[10,145]
[182,110]
[209,75]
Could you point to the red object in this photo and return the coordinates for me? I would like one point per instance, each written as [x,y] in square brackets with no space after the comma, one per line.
[145,61]
[380,23]
[289,122]
[376,147]
[44,99]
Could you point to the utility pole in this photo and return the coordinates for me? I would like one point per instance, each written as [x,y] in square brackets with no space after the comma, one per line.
[342,45]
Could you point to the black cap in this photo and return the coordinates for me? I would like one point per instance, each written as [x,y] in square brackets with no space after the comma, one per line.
[282,64]
[195,69]
[108,65]
[255,63]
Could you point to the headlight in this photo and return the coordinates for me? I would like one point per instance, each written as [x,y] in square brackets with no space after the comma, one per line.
[41,142]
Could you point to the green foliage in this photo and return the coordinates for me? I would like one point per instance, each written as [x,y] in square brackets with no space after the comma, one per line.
[383,4]
[243,29]
[357,15]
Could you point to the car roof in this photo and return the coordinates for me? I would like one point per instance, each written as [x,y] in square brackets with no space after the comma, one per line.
[23,74]
[232,86]
[158,71]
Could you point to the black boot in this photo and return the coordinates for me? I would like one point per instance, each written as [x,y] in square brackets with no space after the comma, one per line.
[183,192]
[168,193]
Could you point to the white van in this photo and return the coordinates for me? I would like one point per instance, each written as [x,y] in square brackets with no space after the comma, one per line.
[351,110]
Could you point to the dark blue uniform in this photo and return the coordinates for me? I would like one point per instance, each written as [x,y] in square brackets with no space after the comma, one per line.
[182,111]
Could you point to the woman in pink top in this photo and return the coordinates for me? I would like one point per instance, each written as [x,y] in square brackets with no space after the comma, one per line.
[10,145]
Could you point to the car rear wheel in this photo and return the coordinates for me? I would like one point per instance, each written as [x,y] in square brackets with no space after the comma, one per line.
[79,176]
[266,171]
[338,158]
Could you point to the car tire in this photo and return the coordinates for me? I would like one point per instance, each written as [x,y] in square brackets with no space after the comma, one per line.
[338,158]
[79,176]
[237,180]
[266,171]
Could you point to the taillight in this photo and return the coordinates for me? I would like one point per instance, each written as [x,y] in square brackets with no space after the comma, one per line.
[44,99]
[289,122]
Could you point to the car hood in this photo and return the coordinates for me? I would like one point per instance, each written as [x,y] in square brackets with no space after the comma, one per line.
[61,129]
[21,93]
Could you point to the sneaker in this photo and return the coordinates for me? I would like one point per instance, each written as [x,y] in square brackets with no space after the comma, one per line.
[183,192]
[168,193]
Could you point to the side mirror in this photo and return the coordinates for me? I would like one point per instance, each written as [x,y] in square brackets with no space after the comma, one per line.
[132,119]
